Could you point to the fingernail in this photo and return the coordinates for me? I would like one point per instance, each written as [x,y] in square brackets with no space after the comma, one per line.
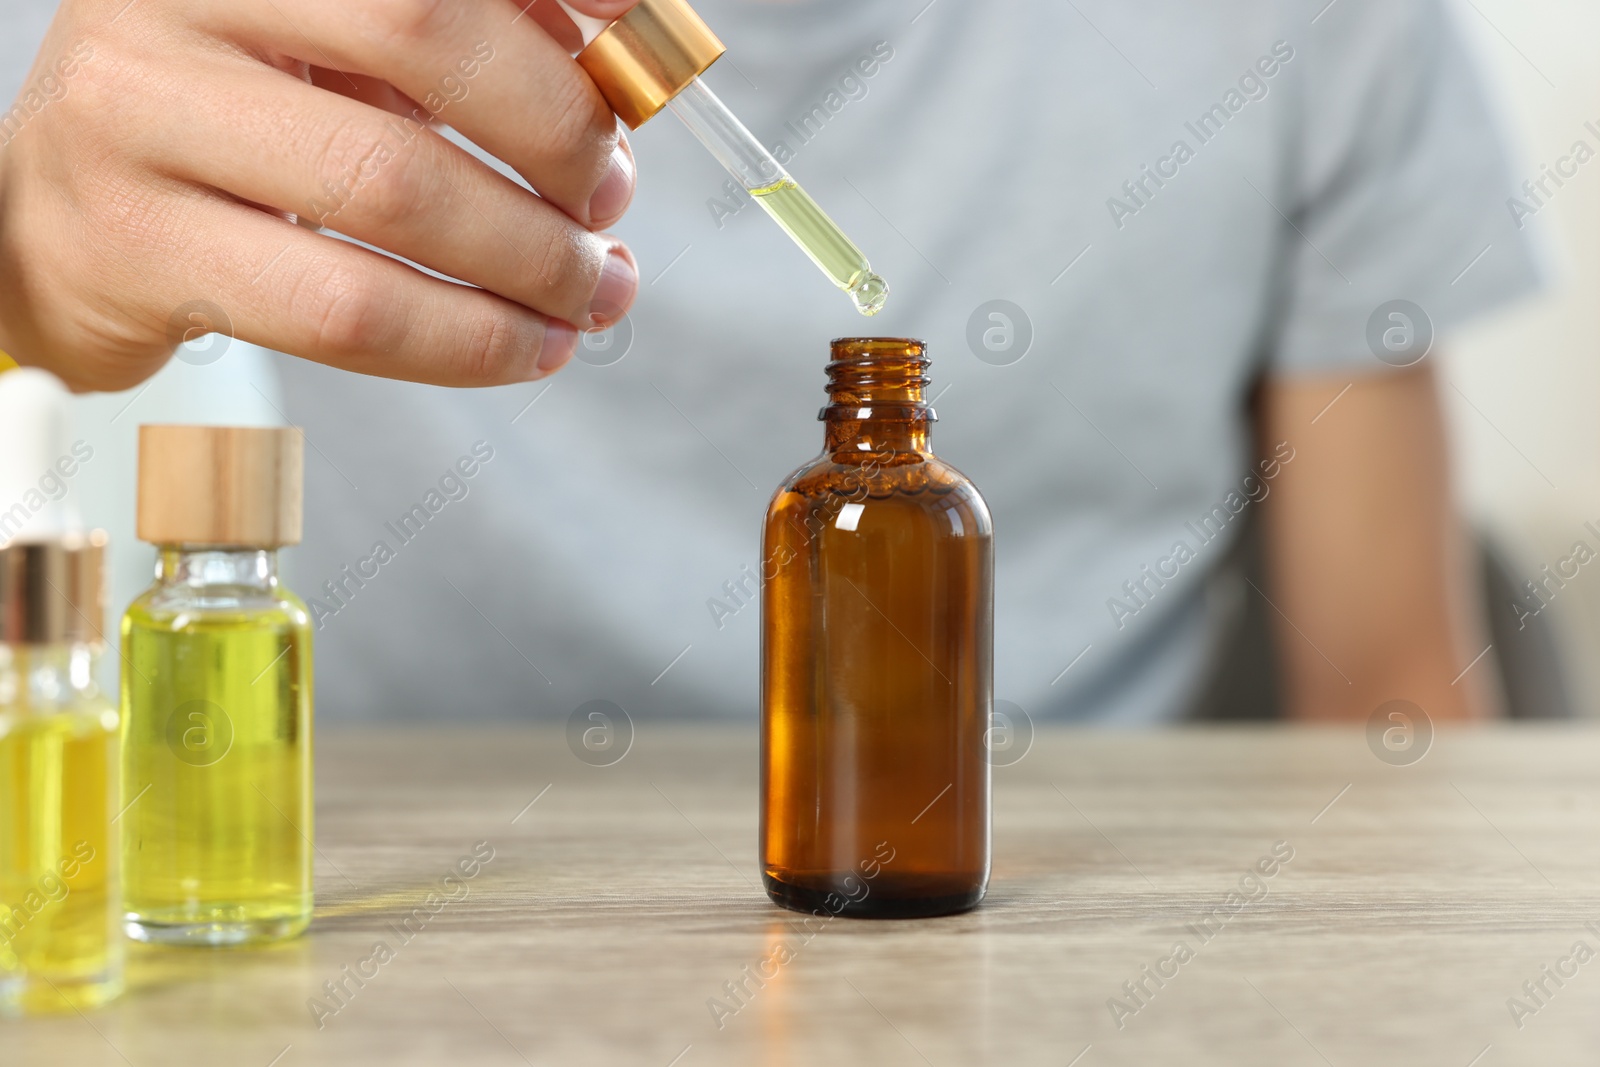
[611,199]
[560,342]
[619,284]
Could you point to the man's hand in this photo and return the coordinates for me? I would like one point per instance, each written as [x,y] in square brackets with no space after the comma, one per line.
[1370,575]
[161,149]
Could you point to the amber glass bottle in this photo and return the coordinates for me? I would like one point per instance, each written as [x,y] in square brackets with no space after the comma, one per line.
[876,658]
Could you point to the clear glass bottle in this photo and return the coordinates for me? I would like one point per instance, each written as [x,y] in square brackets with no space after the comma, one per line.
[60,943]
[217,696]
[876,658]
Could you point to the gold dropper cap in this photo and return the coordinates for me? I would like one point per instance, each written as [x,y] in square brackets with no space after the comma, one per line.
[54,591]
[649,56]
[228,486]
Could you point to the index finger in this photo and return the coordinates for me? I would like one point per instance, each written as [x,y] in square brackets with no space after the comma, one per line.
[479,65]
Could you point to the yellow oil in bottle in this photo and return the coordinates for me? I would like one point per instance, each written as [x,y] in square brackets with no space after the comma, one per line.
[60,946]
[811,228]
[217,770]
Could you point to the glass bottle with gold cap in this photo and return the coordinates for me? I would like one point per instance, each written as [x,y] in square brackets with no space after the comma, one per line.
[216,694]
[876,658]
[60,945]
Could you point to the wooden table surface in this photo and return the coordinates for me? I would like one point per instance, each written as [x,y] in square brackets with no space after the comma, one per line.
[1419,899]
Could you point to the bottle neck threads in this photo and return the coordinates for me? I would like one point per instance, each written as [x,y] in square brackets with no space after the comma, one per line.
[875,396]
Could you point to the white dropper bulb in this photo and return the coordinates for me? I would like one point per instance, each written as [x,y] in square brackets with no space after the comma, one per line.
[34,438]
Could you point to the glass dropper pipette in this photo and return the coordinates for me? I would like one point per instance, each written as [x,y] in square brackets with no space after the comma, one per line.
[652,58]
[764,178]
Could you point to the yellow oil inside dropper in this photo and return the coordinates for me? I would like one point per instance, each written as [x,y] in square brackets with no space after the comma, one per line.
[793,209]
[764,178]
[652,57]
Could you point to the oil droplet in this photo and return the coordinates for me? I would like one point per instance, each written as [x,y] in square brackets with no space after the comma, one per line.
[870,293]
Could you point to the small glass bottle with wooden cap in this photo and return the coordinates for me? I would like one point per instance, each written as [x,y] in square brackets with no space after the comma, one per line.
[60,941]
[216,694]
[876,658]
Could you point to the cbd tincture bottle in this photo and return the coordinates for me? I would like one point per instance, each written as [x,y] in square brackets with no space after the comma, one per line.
[216,694]
[60,941]
[876,656]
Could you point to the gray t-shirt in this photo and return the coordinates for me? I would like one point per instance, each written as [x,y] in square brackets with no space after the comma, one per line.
[1176,197]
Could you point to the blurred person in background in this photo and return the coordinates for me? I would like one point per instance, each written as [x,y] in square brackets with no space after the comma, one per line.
[1182,270]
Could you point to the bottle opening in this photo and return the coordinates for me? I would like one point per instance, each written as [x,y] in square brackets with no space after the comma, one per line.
[878,347]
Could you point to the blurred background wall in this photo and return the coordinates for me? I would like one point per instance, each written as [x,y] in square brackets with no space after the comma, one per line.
[1521,389]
